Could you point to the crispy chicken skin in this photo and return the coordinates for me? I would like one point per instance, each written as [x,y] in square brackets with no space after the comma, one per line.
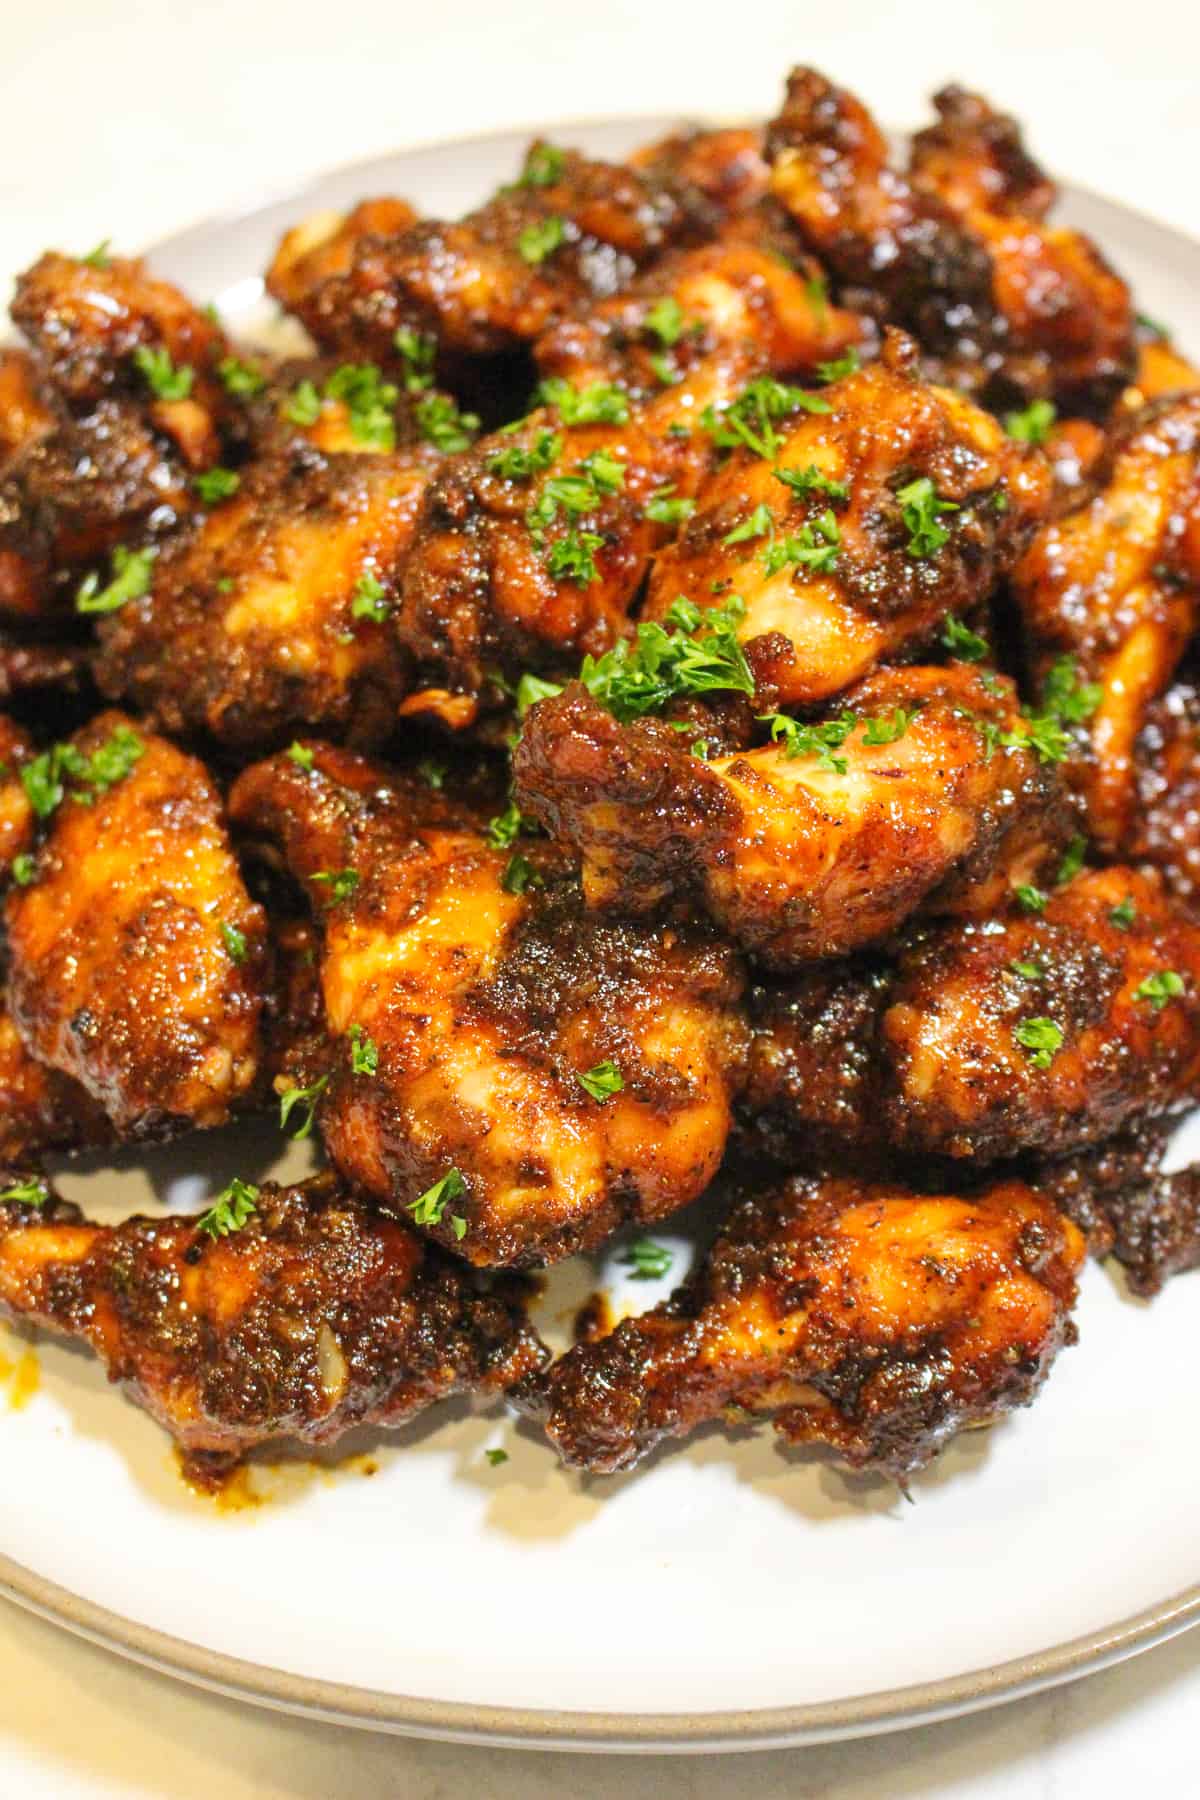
[320,1314]
[255,625]
[886,590]
[1114,584]
[325,244]
[124,974]
[721,173]
[865,1318]
[485,1007]
[959,1080]
[796,860]
[1163,829]
[692,302]
[41,1109]
[24,411]
[1005,305]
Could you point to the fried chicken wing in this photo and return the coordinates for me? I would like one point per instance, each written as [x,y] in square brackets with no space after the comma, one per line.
[872,1320]
[851,529]
[796,852]
[317,1315]
[1113,584]
[325,244]
[24,411]
[138,961]
[1163,829]
[720,173]
[275,614]
[490,1003]
[1046,1030]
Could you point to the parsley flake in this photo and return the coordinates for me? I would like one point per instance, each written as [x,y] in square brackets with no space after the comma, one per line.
[694,651]
[1031,899]
[418,353]
[1073,860]
[666,508]
[810,480]
[130,580]
[813,740]
[241,379]
[1066,697]
[302,756]
[1159,988]
[24,869]
[518,464]
[231,1209]
[1033,425]
[544,166]
[303,406]
[573,557]
[815,547]
[234,941]
[429,1208]
[519,874]
[1042,1038]
[163,378]
[750,419]
[496,1457]
[340,882]
[364,1052]
[1122,916]
[848,364]
[441,424]
[27,1193]
[541,239]
[370,402]
[1028,971]
[370,599]
[646,1260]
[760,522]
[665,321]
[920,506]
[99,258]
[214,485]
[504,830]
[963,644]
[601,1081]
[886,730]
[598,404]
[531,689]
[306,1097]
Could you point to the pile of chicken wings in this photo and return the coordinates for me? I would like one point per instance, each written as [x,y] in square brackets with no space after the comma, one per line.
[689,686]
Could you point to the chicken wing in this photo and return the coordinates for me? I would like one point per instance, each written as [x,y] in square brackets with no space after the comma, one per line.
[812,846]
[872,1320]
[851,522]
[138,961]
[313,1315]
[518,1076]
[1163,828]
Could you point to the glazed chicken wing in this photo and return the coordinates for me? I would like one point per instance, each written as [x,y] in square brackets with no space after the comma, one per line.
[810,846]
[853,525]
[1113,584]
[1163,828]
[865,1318]
[138,961]
[316,1315]
[517,1075]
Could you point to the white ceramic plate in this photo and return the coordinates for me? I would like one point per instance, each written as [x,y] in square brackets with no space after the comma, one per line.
[723,1596]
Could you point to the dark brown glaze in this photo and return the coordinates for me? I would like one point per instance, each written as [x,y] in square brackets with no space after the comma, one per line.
[18,824]
[319,1315]
[25,411]
[41,1109]
[1113,583]
[325,244]
[727,294]
[485,1006]
[795,860]
[248,632]
[880,429]
[959,1082]
[866,1318]
[1164,824]
[719,173]
[1005,305]
[121,975]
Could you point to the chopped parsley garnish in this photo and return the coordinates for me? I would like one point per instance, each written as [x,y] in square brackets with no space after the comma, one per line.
[750,419]
[306,1097]
[1031,899]
[234,941]
[1029,971]
[517,464]
[598,404]
[573,557]
[45,778]
[1159,988]
[432,1204]
[884,730]
[99,258]
[848,364]
[241,379]
[810,480]
[519,874]
[163,378]
[1146,323]
[418,353]
[231,1209]
[504,830]
[340,882]
[496,1457]
[27,1193]
[663,365]
[760,522]
[921,507]
[665,321]
[364,1052]
[962,643]
[1073,860]
[531,689]
[646,1260]
[432,772]
[24,869]
[1123,916]
[1039,732]
[1067,697]
[605,471]
[816,292]
[213,485]
[601,1081]
[544,166]
[693,651]
[304,404]
[302,756]
[370,402]
[370,599]
[130,580]
[1042,1038]
[441,424]
[539,240]
[666,508]
[813,740]
[814,547]
[1033,425]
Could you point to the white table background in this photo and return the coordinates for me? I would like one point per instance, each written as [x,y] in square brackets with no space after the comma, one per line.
[132,118]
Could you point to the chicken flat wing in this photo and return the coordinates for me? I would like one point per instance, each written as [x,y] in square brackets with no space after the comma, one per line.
[865,1318]
[1113,585]
[850,522]
[811,846]
[275,613]
[138,961]
[518,1076]
[313,1316]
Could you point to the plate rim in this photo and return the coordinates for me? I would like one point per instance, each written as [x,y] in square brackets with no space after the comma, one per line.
[465,1722]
